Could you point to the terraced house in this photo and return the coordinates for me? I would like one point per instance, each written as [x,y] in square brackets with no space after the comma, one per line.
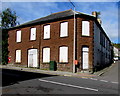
[74,44]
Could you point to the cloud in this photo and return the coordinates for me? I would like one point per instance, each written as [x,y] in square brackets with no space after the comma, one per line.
[110,21]
[60,0]
[28,11]
[109,15]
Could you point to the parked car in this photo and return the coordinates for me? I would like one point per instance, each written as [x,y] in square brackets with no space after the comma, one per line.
[116,58]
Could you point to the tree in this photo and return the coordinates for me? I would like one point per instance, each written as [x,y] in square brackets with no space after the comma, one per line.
[8,20]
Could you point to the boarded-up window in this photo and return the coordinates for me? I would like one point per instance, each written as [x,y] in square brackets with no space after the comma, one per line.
[18,37]
[85,28]
[64,29]
[46,55]
[46,31]
[18,56]
[63,54]
[33,34]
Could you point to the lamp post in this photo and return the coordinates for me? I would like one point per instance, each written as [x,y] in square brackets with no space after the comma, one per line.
[74,40]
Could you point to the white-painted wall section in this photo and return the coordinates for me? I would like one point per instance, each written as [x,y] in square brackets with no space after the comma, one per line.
[97,45]
[102,48]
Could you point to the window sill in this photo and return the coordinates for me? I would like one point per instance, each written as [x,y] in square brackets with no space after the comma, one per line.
[64,36]
[18,62]
[18,42]
[45,63]
[46,38]
[32,40]
[63,62]
[85,36]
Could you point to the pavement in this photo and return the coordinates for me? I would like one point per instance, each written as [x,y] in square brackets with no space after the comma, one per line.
[61,73]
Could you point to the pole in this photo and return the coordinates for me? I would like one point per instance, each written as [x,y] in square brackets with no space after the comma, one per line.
[74,47]
[74,38]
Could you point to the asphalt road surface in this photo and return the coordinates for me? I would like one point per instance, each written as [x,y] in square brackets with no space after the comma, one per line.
[112,73]
[20,82]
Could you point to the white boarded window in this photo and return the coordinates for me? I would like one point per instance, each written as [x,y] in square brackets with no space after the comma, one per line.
[46,55]
[33,34]
[63,54]
[46,31]
[18,56]
[18,37]
[85,28]
[64,29]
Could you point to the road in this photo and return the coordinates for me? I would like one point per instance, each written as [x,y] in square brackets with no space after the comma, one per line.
[112,73]
[21,82]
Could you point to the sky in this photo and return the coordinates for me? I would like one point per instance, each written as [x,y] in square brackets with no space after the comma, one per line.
[29,10]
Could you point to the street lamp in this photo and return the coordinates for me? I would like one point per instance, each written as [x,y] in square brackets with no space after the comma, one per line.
[74,46]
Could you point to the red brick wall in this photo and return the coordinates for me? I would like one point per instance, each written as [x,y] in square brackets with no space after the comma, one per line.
[84,41]
[54,43]
[24,45]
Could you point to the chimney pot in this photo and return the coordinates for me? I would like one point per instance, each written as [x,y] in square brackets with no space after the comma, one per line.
[95,14]
[99,20]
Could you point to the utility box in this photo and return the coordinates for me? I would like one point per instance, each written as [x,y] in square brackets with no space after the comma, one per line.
[53,65]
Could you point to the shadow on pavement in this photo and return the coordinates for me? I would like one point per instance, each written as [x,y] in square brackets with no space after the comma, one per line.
[10,76]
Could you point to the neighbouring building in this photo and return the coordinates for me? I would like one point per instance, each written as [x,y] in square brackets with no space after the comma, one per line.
[116,53]
[51,38]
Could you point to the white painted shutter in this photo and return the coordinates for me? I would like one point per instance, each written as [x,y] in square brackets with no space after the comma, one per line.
[63,56]
[64,29]
[46,54]
[18,55]
[18,38]
[46,31]
[85,28]
[33,34]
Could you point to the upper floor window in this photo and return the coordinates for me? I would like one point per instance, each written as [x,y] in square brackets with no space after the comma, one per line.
[18,56]
[85,28]
[64,29]
[46,31]
[18,36]
[63,54]
[33,34]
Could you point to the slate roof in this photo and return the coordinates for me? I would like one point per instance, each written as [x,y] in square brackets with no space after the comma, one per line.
[58,16]
[53,16]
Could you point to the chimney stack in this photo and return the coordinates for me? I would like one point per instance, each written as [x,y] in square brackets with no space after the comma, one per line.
[95,14]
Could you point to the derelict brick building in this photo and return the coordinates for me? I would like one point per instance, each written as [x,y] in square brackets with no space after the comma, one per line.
[51,38]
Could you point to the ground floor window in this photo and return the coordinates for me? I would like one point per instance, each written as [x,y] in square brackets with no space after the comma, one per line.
[63,54]
[46,55]
[18,56]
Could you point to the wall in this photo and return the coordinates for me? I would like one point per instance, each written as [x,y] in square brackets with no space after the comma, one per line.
[55,42]
[102,48]
[24,45]
[84,41]
[96,50]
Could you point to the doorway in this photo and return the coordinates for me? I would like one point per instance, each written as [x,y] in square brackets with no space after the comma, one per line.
[32,58]
[85,58]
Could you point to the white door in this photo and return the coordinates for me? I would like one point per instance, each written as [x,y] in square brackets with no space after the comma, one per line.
[32,58]
[85,58]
